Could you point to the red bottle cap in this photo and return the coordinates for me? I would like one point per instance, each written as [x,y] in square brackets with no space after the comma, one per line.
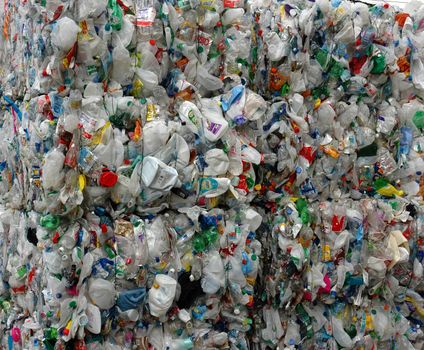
[108,179]
[103,227]
[56,238]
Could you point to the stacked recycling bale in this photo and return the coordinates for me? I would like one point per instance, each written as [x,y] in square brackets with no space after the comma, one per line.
[211,175]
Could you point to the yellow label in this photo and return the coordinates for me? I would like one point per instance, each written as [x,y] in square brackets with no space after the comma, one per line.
[84,33]
[340,11]
[151,112]
[251,280]
[282,12]
[98,136]
[81,182]
[326,252]
[368,322]
[137,87]
[162,265]
[213,202]
[207,4]
[331,151]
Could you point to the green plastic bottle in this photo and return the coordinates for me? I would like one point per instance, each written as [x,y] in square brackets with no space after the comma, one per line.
[379,64]
[21,271]
[50,222]
[322,58]
[109,251]
[368,151]
[199,244]
[115,15]
[336,70]
[418,119]
[211,235]
[51,333]
[302,208]
[285,89]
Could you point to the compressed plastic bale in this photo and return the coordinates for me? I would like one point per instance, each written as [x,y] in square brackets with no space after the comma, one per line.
[281,139]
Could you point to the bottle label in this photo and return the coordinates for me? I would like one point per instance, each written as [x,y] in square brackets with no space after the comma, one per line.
[214,127]
[145,16]
[88,124]
[207,4]
[163,179]
[86,159]
[183,4]
[208,184]
[204,39]
[193,118]
[232,3]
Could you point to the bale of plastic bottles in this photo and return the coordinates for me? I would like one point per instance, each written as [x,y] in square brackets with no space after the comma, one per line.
[208,174]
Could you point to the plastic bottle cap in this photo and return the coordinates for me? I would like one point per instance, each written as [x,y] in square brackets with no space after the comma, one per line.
[273,70]
[56,238]
[152,42]
[108,179]
[103,227]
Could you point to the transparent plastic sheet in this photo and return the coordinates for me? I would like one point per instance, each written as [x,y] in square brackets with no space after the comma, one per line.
[211,174]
